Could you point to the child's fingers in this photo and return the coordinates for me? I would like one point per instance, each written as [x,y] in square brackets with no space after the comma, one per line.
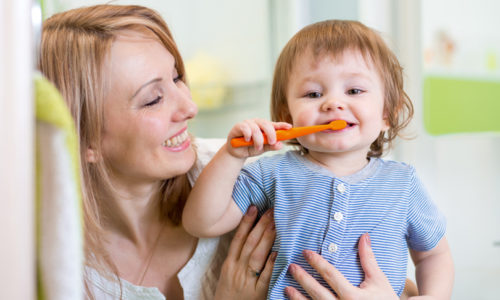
[277,146]
[269,130]
[282,125]
[256,136]
[241,129]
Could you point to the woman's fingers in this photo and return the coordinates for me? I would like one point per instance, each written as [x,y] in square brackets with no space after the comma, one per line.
[368,260]
[265,275]
[330,274]
[242,233]
[261,252]
[312,287]
[375,283]
[254,240]
[294,294]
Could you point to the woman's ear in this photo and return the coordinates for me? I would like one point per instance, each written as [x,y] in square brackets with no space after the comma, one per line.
[91,155]
[385,124]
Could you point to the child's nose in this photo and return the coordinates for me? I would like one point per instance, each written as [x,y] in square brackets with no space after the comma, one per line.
[332,103]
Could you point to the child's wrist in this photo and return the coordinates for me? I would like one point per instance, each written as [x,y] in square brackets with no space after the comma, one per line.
[235,154]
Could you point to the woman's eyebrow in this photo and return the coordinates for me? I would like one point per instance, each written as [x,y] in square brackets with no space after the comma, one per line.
[146,84]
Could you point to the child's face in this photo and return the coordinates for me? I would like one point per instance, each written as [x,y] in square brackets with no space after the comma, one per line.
[346,87]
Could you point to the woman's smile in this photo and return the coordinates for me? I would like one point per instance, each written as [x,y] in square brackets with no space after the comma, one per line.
[178,142]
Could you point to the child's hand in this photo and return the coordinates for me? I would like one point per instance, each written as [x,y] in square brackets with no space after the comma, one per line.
[253,130]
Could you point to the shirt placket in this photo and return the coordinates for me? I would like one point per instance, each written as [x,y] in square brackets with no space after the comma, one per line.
[336,229]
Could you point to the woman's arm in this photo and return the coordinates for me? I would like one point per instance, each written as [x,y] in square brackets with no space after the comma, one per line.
[246,272]
[375,286]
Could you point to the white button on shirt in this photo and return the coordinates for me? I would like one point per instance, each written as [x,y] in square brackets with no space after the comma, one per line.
[332,248]
[341,188]
[338,216]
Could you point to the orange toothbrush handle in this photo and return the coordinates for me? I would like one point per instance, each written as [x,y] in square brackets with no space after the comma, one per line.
[292,133]
[240,141]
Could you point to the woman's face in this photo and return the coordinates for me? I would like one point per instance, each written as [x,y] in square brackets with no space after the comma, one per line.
[146,110]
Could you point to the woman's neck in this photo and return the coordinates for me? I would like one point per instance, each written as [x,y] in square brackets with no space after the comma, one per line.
[134,213]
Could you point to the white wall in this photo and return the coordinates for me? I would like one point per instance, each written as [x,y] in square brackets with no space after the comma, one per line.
[473,27]
[463,170]
[233,32]
[17,275]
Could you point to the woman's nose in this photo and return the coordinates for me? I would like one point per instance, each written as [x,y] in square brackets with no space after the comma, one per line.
[333,103]
[186,108]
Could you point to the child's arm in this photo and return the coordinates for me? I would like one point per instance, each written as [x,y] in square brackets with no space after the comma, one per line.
[434,271]
[209,210]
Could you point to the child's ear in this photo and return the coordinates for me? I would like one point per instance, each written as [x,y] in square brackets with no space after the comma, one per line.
[91,156]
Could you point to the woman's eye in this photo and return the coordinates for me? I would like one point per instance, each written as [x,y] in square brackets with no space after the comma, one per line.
[178,78]
[354,92]
[155,101]
[314,95]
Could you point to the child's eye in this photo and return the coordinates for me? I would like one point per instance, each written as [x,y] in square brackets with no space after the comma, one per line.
[314,95]
[153,102]
[354,91]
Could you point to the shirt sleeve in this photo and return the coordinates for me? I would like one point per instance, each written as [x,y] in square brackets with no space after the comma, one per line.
[426,224]
[249,189]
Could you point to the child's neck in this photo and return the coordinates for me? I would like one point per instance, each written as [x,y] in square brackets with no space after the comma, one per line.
[341,164]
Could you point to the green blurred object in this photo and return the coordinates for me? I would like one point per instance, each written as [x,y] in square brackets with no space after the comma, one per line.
[459,105]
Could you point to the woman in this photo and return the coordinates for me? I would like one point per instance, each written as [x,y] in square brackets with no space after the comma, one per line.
[123,78]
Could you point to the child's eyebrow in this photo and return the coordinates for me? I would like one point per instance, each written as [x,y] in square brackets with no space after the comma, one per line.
[356,74]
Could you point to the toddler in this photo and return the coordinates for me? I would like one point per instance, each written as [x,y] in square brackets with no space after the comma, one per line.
[335,187]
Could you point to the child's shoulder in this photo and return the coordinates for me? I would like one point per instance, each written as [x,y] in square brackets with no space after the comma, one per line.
[276,159]
[393,165]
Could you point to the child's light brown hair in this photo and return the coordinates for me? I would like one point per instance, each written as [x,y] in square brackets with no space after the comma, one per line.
[332,38]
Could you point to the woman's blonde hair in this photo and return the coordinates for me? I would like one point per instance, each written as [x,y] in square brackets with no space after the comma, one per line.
[333,37]
[73,51]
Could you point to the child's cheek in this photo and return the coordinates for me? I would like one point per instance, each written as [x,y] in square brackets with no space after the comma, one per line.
[303,119]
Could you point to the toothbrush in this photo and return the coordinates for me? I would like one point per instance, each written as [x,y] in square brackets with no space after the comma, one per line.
[292,133]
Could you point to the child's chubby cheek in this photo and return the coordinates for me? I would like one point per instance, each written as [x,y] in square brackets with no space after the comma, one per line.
[303,120]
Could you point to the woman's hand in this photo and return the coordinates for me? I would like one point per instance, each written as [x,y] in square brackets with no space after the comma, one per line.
[375,286]
[246,272]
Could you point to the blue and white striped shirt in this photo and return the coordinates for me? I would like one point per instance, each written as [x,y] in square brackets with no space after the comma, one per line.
[318,211]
